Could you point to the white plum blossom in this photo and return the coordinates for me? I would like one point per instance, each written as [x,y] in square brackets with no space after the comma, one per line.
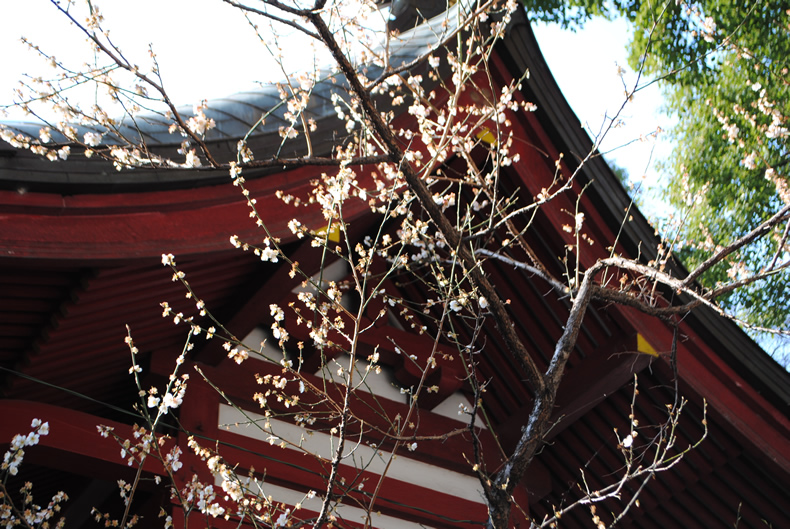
[708,29]
[288,132]
[172,458]
[192,159]
[231,485]
[750,161]
[579,219]
[45,134]
[91,139]
[282,519]
[235,173]
[200,124]
[173,400]
[296,228]
[215,510]
[277,312]
[12,459]
[213,463]
[269,254]
[776,130]
[244,151]
[238,354]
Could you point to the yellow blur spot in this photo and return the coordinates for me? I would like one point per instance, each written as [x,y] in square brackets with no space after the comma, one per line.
[334,233]
[643,347]
[486,136]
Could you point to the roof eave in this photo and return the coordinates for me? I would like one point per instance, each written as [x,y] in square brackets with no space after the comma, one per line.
[730,341]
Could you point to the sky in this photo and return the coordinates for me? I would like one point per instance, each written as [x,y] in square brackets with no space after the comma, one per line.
[206,50]
[585,66]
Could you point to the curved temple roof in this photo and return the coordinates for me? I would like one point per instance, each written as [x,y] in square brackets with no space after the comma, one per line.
[236,116]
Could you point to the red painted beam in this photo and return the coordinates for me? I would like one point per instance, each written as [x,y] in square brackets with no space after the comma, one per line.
[765,427]
[137,225]
[71,433]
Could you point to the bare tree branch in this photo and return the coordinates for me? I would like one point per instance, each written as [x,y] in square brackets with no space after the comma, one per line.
[394,151]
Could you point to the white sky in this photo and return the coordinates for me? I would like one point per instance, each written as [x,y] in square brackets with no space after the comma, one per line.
[584,65]
[206,50]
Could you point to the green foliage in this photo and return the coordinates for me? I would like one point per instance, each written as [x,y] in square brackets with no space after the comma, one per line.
[686,49]
[725,67]
[729,87]
[568,13]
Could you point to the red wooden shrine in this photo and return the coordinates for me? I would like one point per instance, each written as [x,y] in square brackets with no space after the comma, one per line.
[80,259]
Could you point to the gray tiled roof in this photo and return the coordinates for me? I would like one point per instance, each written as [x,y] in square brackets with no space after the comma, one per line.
[235,116]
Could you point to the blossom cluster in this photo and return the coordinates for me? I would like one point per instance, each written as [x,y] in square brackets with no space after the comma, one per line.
[173,397]
[16,453]
[27,513]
